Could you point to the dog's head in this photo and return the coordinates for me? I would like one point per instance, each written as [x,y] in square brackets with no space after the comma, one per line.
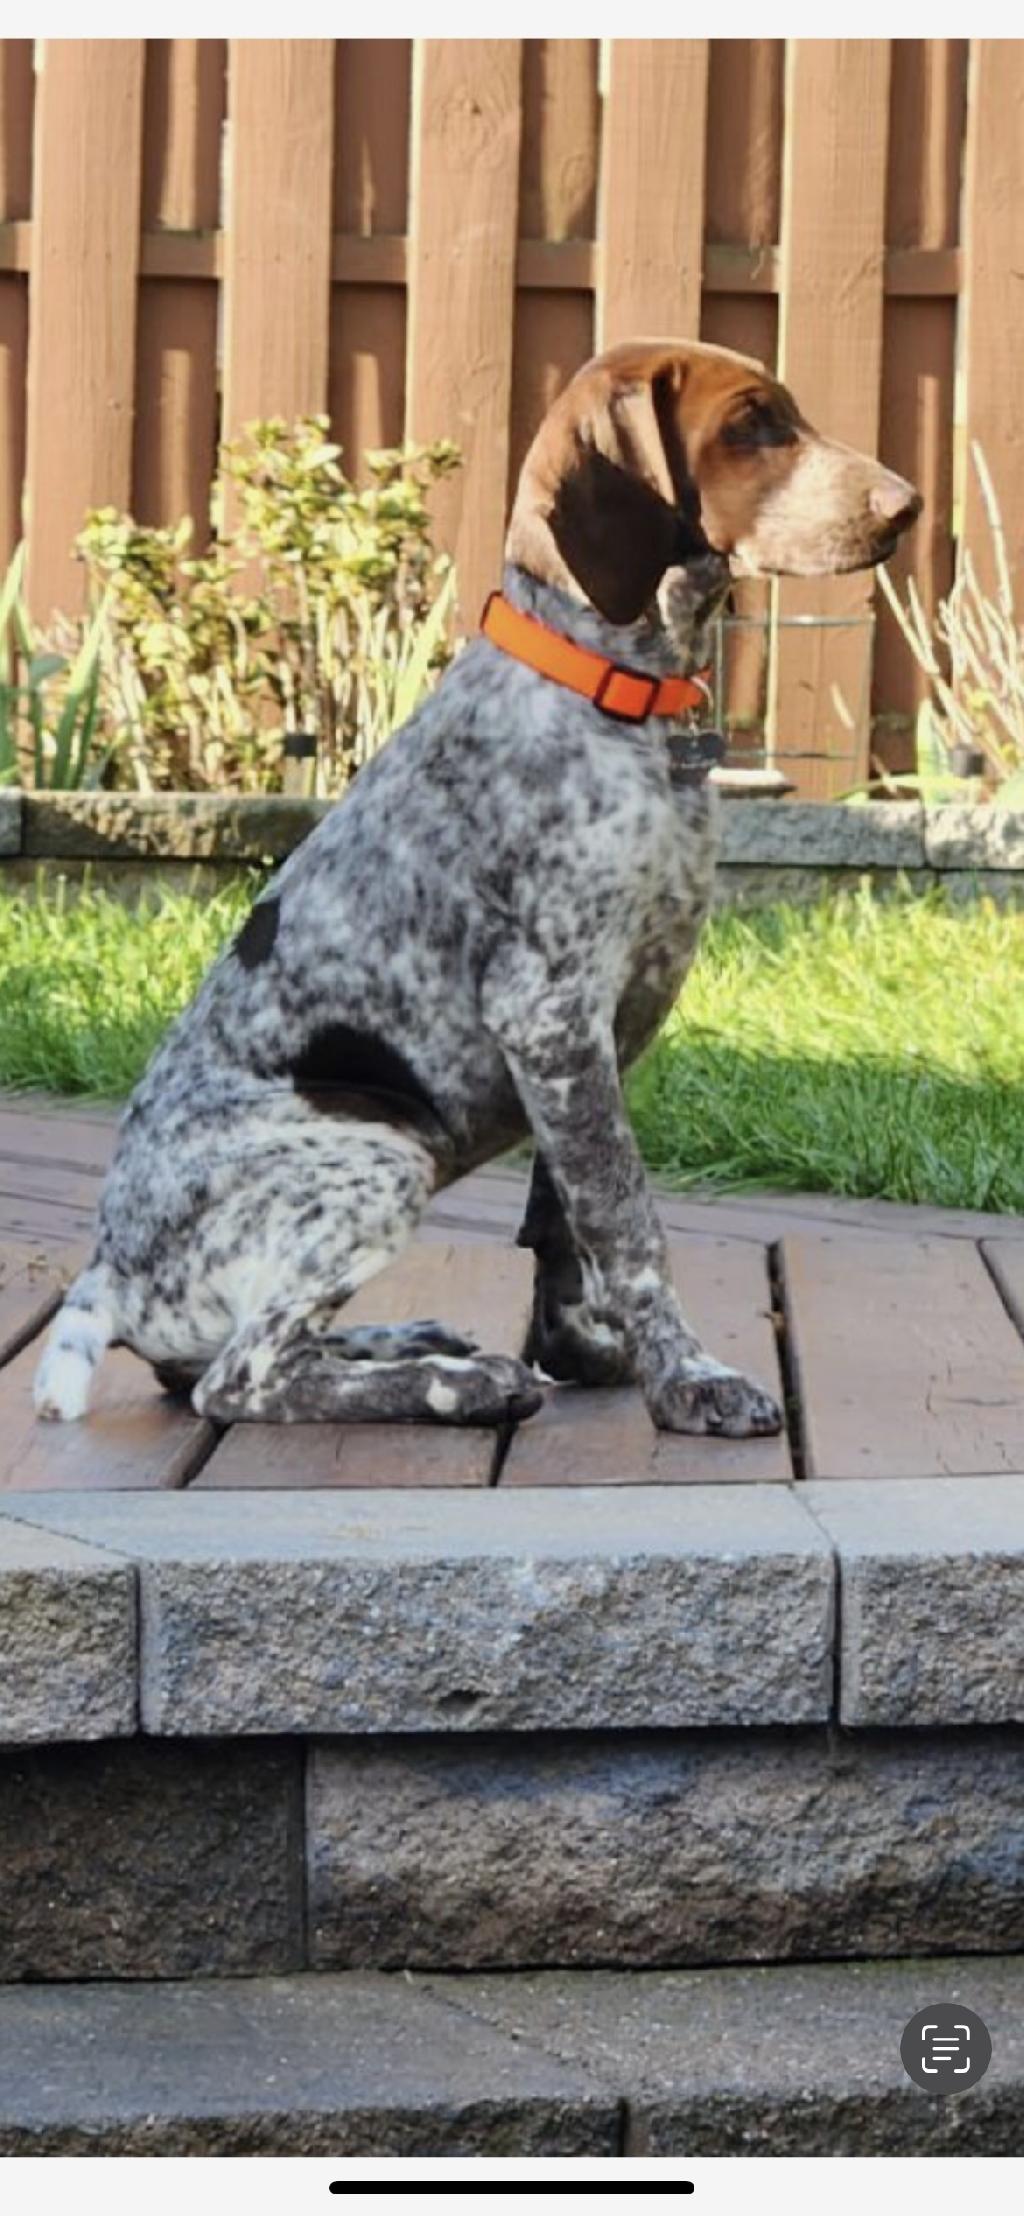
[660,456]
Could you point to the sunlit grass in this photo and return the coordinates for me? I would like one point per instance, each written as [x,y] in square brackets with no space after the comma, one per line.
[861,1047]
[87,990]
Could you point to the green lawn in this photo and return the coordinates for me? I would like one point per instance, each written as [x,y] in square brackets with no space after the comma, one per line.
[859,1047]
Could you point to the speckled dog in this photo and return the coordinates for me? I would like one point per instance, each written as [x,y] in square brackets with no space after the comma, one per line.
[469,949]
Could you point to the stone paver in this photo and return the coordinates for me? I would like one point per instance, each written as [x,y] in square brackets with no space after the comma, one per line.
[68,1667]
[10,821]
[646,1850]
[932,1584]
[964,838]
[284,2066]
[446,1611]
[789,2061]
[800,833]
[189,826]
[150,1859]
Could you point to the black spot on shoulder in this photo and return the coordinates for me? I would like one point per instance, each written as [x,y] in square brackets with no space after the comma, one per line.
[340,1066]
[255,941]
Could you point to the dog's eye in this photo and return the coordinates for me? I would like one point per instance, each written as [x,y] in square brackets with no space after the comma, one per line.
[758,423]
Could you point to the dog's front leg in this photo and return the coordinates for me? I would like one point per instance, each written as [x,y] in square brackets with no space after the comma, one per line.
[572,1337]
[561,1055]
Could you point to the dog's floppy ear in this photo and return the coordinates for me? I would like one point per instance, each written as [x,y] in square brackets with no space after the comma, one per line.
[605,494]
[613,532]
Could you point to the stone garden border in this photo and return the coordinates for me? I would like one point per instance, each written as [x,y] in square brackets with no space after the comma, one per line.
[796,850]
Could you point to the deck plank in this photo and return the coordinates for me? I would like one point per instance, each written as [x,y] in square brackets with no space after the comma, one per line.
[134,1438]
[31,1284]
[40,1131]
[52,1160]
[607,1438]
[38,1221]
[906,1361]
[476,1287]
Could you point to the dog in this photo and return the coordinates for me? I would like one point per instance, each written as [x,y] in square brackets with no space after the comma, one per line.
[472,946]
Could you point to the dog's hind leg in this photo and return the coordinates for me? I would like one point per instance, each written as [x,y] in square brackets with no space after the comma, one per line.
[275,1371]
[291,1358]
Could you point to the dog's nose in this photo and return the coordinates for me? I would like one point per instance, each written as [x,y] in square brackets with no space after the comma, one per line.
[895,503]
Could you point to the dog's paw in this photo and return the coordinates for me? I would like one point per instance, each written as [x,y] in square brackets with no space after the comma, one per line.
[493,1389]
[711,1399]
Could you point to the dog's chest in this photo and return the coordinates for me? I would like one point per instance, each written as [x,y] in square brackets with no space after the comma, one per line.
[671,865]
[670,899]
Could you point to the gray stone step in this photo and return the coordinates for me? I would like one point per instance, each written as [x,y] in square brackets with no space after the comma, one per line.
[795,2061]
[68,1644]
[645,1849]
[144,1858]
[932,1578]
[359,2065]
[149,1858]
[156,1858]
[465,1611]
[791,2061]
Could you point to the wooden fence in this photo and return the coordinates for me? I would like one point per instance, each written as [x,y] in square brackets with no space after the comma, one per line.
[427,237]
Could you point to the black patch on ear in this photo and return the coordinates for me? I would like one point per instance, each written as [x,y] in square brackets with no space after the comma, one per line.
[340,1068]
[691,544]
[615,533]
[255,941]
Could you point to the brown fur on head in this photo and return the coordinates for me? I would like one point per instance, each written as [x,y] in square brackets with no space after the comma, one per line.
[661,453]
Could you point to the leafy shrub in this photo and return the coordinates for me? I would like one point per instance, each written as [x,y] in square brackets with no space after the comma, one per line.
[320,607]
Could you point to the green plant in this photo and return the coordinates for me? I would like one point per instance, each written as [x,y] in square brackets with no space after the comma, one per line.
[972,653]
[49,700]
[932,779]
[321,608]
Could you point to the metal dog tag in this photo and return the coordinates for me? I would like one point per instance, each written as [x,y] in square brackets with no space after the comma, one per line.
[691,754]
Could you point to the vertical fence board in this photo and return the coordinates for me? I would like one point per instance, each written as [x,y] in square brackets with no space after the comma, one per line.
[466,133]
[830,345]
[176,371]
[993,349]
[743,194]
[16,104]
[927,115]
[366,399]
[277,248]
[744,140]
[508,139]
[85,242]
[554,328]
[652,189]
[372,100]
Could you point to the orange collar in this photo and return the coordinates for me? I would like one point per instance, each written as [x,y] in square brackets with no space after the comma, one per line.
[628,694]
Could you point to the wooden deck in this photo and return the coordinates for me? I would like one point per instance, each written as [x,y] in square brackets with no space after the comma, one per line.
[896,1334]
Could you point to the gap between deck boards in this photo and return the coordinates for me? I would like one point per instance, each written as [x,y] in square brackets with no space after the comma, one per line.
[899,1351]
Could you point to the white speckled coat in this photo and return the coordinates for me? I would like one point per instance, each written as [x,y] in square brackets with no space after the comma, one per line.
[466,950]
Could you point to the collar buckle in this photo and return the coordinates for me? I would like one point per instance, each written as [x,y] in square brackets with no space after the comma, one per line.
[626,707]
